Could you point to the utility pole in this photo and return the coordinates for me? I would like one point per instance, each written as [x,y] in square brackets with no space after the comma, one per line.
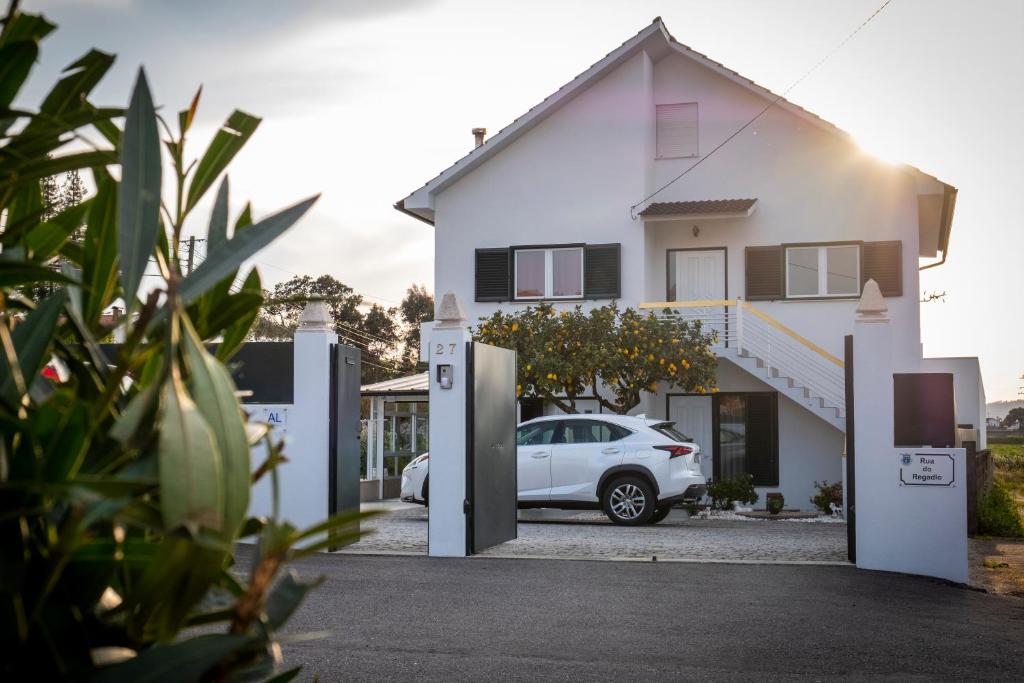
[191,254]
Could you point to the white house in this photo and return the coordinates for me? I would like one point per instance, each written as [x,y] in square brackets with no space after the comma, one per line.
[770,240]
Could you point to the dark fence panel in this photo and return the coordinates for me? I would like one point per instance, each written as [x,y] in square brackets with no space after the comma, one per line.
[264,368]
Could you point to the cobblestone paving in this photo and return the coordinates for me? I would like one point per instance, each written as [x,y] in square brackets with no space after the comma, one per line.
[589,535]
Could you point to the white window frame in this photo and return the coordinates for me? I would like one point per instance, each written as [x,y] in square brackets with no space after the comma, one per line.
[822,292]
[549,277]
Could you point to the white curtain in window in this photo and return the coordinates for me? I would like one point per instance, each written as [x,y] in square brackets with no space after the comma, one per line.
[567,272]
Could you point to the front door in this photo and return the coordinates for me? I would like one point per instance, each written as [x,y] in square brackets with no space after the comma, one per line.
[699,275]
[693,417]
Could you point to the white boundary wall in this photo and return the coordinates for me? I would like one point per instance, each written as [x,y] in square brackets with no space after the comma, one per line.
[900,528]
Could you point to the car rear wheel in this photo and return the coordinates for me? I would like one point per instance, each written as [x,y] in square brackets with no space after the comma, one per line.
[629,501]
[660,514]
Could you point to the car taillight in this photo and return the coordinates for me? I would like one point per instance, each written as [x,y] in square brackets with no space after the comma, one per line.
[675,451]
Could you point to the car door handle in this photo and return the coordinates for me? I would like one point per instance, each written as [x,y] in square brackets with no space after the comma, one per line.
[539,455]
[610,451]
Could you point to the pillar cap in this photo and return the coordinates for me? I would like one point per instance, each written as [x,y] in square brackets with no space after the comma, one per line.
[449,313]
[872,304]
[316,316]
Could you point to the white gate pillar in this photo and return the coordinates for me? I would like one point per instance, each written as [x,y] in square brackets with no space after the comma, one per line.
[911,529]
[446,344]
[305,479]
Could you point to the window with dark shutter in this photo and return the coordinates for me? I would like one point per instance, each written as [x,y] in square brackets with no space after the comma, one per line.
[762,440]
[883,263]
[601,264]
[492,275]
[764,273]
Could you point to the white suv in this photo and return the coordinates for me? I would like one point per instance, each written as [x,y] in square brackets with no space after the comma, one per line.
[633,468]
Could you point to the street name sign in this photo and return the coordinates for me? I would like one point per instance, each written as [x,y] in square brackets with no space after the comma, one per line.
[926,469]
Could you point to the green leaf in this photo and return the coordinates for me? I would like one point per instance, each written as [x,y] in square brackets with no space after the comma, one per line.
[188,660]
[31,339]
[211,384]
[99,269]
[230,255]
[16,61]
[235,334]
[139,191]
[286,596]
[186,117]
[191,475]
[244,219]
[19,47]
[80,78]
[47,237]
[18,273]
[126,430]
[232,136]
[218,232]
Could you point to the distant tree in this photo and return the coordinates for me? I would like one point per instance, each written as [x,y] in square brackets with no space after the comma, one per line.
[417,307]
[1013,417]
[57,197]
[375,332]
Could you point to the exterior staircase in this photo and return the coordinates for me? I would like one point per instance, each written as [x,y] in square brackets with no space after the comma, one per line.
[773,353]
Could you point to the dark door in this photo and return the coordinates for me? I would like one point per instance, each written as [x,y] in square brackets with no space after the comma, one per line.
[344,426]
[491,457]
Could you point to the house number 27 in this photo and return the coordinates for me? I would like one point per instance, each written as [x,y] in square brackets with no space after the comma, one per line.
[440,349]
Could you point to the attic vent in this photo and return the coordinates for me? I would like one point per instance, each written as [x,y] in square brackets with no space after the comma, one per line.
[677,130]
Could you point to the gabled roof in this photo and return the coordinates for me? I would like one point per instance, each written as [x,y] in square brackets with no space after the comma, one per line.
[656,39]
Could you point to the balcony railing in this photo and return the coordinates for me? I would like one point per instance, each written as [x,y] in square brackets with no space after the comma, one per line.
[782,351]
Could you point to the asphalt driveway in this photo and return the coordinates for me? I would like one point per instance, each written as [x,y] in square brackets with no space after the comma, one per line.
[411,618]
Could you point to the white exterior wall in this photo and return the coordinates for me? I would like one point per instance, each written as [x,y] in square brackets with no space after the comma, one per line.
[555,184]
[573,177]
[811,186]
[809,448]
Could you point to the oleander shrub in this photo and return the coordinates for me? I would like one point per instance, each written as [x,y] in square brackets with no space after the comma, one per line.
[125,481]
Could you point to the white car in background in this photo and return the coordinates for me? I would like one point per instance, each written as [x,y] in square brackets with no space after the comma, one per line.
[633,468]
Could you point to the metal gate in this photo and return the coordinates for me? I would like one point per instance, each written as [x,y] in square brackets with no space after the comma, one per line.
[851,455]
[343,426]
[491,454]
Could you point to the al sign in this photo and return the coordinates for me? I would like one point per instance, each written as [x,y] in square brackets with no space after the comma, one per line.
[926,469]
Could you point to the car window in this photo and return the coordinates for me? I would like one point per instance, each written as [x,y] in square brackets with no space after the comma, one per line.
[669,430]
[537,434]
[590,431]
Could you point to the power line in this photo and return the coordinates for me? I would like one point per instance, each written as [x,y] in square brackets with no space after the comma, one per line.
[778,98]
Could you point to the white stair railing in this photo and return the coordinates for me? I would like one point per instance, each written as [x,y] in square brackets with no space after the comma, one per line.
[781,351]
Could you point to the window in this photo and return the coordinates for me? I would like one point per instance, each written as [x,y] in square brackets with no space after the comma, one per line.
[539,434]
[548,272]
[677,130]
[823,271]
[590,431]
[669,429]
[747,440]
[555,273]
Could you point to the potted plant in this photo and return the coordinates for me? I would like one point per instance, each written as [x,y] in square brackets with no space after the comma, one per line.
[775,502]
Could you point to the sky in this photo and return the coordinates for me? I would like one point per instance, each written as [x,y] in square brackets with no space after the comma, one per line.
[365,101]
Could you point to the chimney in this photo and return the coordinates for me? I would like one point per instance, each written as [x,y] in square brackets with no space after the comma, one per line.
[478,136]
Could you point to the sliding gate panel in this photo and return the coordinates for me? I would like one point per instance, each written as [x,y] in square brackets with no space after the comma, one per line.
[491,456]
[343,435]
